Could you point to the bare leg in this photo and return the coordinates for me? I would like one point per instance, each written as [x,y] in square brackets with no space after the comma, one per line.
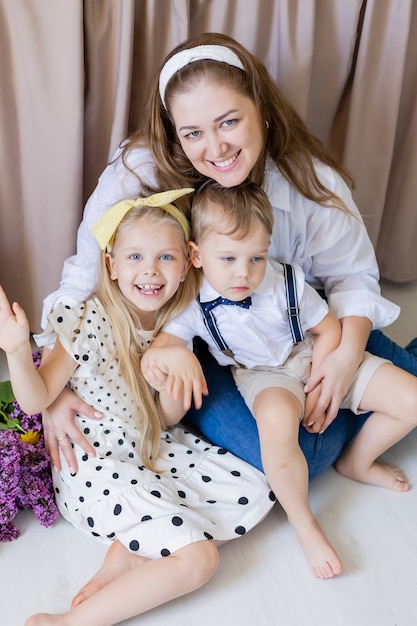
[277,414]
[117,561]
[392,395]
[140,589]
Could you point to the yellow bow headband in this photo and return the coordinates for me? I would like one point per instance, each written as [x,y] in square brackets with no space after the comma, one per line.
[105,228]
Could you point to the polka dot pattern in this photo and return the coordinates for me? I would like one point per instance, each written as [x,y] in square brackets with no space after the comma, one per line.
[199,492]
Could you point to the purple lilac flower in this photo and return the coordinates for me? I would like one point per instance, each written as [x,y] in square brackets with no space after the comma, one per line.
[25,476]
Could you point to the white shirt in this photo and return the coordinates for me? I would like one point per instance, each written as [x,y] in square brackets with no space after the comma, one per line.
[259,335]
[332,247]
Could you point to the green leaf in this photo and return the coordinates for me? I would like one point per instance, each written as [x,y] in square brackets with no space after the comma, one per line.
[6,399]
[6,392]
[8,424]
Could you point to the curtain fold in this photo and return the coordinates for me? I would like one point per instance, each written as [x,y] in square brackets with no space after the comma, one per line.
[374,105]
[41,116]
[65,87]
[73,82]
[396,247]
[158,27]
[108,44]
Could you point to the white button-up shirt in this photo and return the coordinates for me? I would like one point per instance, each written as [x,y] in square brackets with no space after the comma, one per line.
[332,247]
[259,335]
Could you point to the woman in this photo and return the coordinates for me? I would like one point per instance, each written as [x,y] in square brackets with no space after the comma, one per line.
[215,112]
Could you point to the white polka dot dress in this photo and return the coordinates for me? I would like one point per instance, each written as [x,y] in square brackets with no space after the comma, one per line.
[199,491]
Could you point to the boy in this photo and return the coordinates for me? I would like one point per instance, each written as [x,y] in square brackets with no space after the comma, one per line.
[274,337]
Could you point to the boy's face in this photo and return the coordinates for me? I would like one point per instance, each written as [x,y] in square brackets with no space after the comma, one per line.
[234,268]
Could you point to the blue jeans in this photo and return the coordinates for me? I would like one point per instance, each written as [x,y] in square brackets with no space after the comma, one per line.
[225,420]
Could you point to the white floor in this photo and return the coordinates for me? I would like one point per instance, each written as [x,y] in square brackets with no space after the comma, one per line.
[262,578]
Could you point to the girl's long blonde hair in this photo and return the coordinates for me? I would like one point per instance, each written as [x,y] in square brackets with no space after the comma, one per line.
[126,326]
[287,141]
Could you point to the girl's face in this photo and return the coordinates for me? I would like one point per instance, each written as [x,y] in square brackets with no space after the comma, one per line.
[219,130]
[149,263]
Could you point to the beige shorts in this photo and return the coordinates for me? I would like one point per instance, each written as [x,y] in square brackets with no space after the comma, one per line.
[294,374]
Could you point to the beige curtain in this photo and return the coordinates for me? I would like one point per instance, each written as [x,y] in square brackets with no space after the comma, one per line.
[73,79]
[381,133]
[65,72]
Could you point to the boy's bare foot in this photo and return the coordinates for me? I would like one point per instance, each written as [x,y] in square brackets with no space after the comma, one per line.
[379,473]
[117,561]
[319,552]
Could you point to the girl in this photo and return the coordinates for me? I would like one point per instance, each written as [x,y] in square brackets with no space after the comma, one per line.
[148,492]
[215,112]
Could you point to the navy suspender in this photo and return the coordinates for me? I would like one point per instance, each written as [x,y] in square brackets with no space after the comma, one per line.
[211,325]
[293,312]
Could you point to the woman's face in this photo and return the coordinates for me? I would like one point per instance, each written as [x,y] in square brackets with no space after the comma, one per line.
[219,130]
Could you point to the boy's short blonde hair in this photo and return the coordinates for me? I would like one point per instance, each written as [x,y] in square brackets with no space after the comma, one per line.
[229,211]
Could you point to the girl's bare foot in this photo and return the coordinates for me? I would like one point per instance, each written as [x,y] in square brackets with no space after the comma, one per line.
[320,554]
[44,619]
[117,561]
[379,473]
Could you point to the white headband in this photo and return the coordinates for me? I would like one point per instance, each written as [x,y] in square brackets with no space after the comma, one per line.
[183,58]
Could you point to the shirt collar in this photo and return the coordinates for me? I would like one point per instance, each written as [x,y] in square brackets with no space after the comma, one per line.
[266,288]
[207,292]
[276,187]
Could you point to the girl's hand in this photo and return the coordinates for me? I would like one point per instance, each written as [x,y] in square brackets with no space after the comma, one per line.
[176,371]
[186,380]
[60,430]
[328,386]
[14,326]
[155,374]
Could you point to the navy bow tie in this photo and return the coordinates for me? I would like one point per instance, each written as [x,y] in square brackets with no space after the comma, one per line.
[209,306]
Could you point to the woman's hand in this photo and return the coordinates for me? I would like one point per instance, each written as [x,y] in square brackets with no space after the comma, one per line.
[327,386]
[334,374]
[60,430]
[311,401]
[334,377]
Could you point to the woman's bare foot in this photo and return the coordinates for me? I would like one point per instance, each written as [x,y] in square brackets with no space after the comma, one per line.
[379,473]
[320,554]
[117,561]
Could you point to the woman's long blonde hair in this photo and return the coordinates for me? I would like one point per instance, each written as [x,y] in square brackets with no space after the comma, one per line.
[287,140]
[126,326]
